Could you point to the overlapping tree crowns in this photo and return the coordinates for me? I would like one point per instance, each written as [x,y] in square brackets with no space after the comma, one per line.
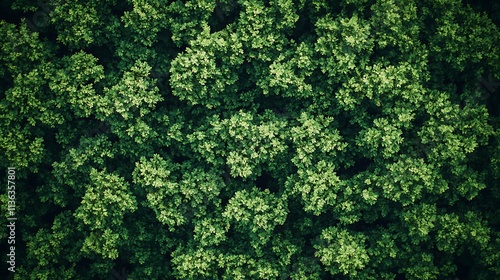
[286,140]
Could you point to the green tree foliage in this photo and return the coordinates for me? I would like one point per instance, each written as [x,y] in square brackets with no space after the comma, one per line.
[249,139]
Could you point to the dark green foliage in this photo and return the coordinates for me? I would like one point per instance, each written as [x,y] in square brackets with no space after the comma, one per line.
[252,139]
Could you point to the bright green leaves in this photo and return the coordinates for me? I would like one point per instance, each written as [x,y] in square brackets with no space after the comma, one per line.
[205,73]
[400,84]
[102,209]
[284,247]
[48,244]
[207,263]
[21,150]
[382,139]
[145,21]
[469,186]
[494,163]
[210,231]
[208,72]
[453,232]
[74,83]
[382,249]
[450,234]
[21,50]
[286,12]
[127,105]
[189,82]
[174,198]
[283,78]
[317,186]
[343,45]
[250,144]
[285,139]
[421,266]
[317,146]
[260,30]
[80,24]
[260,210]
[187,20]
[243,266]
[395,24]
[105,201]
[103,242]
[314,139]
[82,21]
[449,137]
[43,96]
[195,263]
[77,164]
[256,213]
[28,109]
[451,132]
[243,140]
[200,187]
[395,82]
[204,142]
[406,181]
[53,247]
[154,174]
[133,96]
[342,251]
[420,220]
[30,98]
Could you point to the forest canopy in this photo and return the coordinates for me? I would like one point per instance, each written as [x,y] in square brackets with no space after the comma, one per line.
[249,139]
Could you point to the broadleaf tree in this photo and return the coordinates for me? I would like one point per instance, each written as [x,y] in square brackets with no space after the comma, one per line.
[251,139]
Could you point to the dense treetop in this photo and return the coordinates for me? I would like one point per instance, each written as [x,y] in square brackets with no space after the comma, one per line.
[280,139]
